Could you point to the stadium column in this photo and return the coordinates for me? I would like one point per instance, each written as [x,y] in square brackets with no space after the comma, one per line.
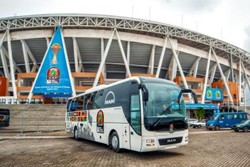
[239,82]
[179,67]
[3,58]
[76,55]
[25,56]
[12,71]
[212,74]
[172,69]
[103,59]
[102,54]
[206,76]
[245,74]
[6,53]
[231,65]
[223,77]
[227,74]
[194,69]
[47,41]
[32,57]
[123,55]
[128,55]
[151,61]
[161,58]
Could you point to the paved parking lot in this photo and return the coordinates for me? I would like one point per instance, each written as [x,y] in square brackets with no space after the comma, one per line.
[204,149]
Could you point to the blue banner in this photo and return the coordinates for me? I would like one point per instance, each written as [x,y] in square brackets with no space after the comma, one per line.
[54,77]
[214,94]
[199,105]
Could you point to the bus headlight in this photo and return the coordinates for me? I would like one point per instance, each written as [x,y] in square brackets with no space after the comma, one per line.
[150,142]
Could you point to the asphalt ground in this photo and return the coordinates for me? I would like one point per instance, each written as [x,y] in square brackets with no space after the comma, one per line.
[206,148]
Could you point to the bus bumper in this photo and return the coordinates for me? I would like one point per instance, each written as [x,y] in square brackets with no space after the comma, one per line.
[163,143]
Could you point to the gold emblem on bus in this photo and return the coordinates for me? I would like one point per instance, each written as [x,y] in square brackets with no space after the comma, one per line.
[171,128]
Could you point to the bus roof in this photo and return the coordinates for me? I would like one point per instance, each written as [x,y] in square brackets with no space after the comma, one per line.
[139,79]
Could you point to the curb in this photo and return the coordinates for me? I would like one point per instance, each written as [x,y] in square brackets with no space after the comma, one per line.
[32,137]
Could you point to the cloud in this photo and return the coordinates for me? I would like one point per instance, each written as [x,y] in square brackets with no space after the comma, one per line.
[193,6]
[247,40]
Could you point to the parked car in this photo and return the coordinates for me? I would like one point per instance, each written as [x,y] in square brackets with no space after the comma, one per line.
[226,120]
[199,124]
[4,117]
[244,126]
[191,121]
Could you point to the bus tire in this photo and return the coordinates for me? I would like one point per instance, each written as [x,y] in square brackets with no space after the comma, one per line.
[76,137]
[217,127]
[114,142]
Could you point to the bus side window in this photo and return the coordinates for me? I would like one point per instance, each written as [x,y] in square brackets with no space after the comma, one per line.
[135,115]
[68,105]
[73,105]
[90,101]
[79,102]
[96,99]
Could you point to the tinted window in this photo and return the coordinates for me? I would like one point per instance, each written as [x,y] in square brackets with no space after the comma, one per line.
[230,117]
[135,117]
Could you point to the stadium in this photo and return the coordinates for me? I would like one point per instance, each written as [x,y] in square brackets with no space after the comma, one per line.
[104,49]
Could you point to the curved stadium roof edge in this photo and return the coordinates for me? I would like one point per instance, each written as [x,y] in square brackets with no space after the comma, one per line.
[132,25]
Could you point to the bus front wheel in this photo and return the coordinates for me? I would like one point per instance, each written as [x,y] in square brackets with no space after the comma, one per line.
[114,142]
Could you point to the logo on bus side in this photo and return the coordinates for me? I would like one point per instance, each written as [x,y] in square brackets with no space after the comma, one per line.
[110,98]
[100,122]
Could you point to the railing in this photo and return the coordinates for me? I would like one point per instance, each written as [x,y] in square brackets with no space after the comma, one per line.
[13,100]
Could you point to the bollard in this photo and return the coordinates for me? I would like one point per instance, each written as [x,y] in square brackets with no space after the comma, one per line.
[22,124]
[38,122]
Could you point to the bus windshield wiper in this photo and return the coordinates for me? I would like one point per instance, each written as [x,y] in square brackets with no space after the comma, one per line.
[158,121]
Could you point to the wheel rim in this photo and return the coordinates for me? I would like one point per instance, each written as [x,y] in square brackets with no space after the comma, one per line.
[114,142]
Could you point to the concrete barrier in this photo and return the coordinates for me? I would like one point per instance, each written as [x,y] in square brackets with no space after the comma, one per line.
[35,118]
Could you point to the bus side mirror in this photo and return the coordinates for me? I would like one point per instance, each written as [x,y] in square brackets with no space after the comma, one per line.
[189,91]
[144,92]
[145,96]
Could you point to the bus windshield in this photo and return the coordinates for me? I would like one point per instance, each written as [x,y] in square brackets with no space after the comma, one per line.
[163,107]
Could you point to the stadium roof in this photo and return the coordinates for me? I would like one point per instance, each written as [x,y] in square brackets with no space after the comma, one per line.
[90,48]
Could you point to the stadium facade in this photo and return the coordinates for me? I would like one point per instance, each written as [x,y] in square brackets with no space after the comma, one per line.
[103,49]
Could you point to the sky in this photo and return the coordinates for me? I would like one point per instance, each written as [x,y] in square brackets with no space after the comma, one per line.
[228,20]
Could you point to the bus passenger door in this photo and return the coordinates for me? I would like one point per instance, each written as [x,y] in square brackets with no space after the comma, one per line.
[135,123]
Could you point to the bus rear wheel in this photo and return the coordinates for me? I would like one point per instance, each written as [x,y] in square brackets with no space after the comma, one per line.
[76,134]
[114,142]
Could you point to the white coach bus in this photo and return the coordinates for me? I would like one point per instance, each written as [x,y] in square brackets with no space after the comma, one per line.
[138,113]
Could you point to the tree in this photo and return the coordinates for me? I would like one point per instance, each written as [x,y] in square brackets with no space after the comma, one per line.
[199,113]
